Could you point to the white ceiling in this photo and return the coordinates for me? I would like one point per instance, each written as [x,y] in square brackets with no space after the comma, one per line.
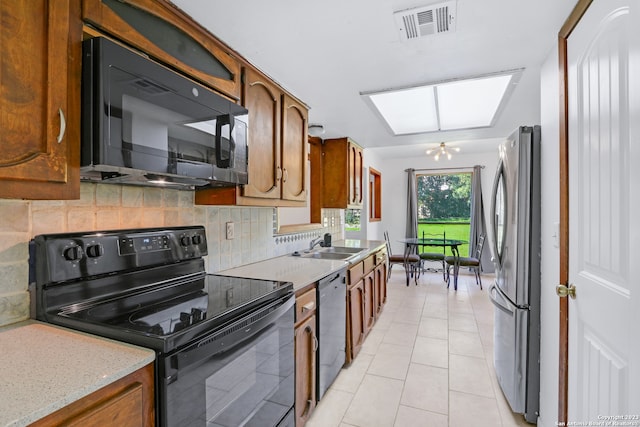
[327,52]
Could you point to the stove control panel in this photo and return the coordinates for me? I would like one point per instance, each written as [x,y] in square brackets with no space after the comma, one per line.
[68,256]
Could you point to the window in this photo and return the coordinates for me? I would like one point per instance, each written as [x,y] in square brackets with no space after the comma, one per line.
[444,206]
[352,219]
[375,195]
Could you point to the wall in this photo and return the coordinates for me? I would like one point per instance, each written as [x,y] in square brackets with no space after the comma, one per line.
[106,207]
[394,187]
[550,216]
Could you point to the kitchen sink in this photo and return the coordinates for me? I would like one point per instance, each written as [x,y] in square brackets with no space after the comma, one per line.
[332,252]
[341,249]
[326,255]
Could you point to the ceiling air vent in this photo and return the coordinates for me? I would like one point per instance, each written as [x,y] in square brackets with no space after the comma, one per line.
[426,20]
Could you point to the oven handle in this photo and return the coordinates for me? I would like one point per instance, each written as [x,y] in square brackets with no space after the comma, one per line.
[236,333]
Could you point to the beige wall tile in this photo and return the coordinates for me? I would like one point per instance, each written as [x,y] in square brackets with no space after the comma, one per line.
[14,216]
[14,307]
[132,197]
[108,195]
[152,197]
[13,247]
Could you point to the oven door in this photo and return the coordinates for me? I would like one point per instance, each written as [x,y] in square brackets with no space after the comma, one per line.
[240,374]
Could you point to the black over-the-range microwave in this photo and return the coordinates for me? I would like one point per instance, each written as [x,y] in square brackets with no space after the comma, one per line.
[145,124]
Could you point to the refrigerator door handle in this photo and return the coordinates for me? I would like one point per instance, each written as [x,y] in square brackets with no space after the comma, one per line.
[493,290]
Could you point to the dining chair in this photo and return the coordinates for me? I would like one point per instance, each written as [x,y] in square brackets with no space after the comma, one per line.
[410,262]
[472,263]
[434,256]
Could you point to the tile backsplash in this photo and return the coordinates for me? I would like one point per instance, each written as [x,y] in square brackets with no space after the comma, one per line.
[107,207]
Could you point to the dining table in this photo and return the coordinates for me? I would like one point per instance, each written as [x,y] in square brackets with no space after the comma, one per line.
[412,243]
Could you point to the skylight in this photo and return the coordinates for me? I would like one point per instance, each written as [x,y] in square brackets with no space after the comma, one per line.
[449,105]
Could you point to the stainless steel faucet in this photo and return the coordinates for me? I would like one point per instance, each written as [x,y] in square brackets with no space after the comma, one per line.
[315,242]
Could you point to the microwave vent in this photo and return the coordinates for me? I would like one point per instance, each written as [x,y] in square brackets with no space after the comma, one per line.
[426,20]
[149,87]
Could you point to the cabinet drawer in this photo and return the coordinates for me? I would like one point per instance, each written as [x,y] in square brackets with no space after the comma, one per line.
[369,263]
[355,273]
[381,257]
[305,305]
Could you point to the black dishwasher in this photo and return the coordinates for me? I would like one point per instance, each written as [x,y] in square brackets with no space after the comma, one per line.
[331,325]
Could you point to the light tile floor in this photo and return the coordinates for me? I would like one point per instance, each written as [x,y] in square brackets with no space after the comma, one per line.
[428,361]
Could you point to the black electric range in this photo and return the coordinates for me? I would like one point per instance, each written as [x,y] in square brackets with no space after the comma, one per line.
[149,287]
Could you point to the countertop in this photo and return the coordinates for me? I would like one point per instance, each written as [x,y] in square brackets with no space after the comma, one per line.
[45,367]
[303,271]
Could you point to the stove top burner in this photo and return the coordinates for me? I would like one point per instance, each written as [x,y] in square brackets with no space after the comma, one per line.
[170,317]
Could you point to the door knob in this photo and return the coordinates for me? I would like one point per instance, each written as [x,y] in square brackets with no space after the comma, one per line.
[563,291]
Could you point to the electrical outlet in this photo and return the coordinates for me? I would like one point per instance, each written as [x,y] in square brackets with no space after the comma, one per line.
[230,230]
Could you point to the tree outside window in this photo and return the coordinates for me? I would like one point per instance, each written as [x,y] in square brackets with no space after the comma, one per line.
[444,206]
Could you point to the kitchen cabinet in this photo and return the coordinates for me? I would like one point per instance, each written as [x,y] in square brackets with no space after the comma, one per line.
[128,402]
[159,29]
[342,177]
[380,281]
[306,346]
[356,319]
[40,99]
[366,296]
[294,150]
[370,298]
[277,149]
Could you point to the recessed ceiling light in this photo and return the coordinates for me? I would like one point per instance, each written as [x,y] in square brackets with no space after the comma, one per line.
[449,105]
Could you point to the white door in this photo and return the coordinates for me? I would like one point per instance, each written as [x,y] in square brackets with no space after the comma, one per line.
[603,55]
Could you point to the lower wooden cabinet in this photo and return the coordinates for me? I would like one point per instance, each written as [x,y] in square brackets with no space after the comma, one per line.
[380,273]
[128,402]
[370,304]
[306,346]
[366,296]
[356,319]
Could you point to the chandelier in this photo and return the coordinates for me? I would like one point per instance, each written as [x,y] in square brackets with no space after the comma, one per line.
[442,150]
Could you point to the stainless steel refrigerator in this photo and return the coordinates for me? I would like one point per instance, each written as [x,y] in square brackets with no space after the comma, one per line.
[515,244]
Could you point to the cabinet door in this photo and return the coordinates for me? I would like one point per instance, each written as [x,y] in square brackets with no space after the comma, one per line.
[294,150]
[357,319]
[352,174]
[370,303]
[158,28]
[262,99]
[127,402]
[381,287]
[39,99]
[355,175]
[358,177]
[306,345]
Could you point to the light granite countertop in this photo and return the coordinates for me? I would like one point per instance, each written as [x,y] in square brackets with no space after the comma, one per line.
[302,271]
[45,367]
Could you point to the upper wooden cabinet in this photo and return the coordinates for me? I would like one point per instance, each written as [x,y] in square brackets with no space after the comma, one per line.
[162,31]
[40,99]
[294,149]
[342,183]
[277,142]
[263,100]
[277,149]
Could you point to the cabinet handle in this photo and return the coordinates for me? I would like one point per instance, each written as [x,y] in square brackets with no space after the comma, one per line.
[286,175]
[308,306]
[308,330]
[63,125]
[279,174]
[307,408]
